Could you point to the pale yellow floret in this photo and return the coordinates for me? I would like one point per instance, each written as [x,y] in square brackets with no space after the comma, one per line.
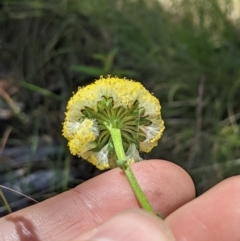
[153,134]
[101,164]
[133,153]
[99,159]
[82,140]
[70,128]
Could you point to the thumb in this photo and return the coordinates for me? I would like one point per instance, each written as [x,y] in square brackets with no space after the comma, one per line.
[130,225]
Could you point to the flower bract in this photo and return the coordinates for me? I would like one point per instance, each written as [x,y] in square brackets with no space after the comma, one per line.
[112,102]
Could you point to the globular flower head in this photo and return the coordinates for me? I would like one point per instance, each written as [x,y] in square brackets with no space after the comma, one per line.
[118,103]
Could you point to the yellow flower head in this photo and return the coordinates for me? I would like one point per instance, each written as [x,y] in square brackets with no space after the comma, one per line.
[117,103]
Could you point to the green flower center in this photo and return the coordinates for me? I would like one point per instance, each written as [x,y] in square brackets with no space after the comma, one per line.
[126,118]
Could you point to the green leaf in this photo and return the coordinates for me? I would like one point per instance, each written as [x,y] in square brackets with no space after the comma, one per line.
[92,71]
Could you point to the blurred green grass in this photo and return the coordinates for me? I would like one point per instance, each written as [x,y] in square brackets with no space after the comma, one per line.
[187,54]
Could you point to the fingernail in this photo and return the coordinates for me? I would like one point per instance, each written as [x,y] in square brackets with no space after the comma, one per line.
[130,225]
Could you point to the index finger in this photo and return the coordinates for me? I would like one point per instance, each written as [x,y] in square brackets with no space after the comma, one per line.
[63,217]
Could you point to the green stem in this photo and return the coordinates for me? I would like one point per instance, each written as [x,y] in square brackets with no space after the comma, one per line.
[122,163]
[137,189]
[117,142]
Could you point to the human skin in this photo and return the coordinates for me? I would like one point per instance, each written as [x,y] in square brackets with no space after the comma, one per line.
[105,208]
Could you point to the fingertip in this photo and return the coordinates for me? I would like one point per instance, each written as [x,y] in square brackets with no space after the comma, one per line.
[212,216]
[130,225]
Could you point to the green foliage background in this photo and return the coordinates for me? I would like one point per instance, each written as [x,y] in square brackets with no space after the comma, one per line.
[187,54]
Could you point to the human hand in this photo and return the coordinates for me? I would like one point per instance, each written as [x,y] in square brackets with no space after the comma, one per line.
[95,210]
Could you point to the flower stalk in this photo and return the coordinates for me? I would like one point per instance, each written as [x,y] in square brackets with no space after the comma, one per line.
[117,142]
[125,166]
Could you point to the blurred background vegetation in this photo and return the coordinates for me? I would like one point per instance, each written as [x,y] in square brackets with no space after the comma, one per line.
[186,52]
